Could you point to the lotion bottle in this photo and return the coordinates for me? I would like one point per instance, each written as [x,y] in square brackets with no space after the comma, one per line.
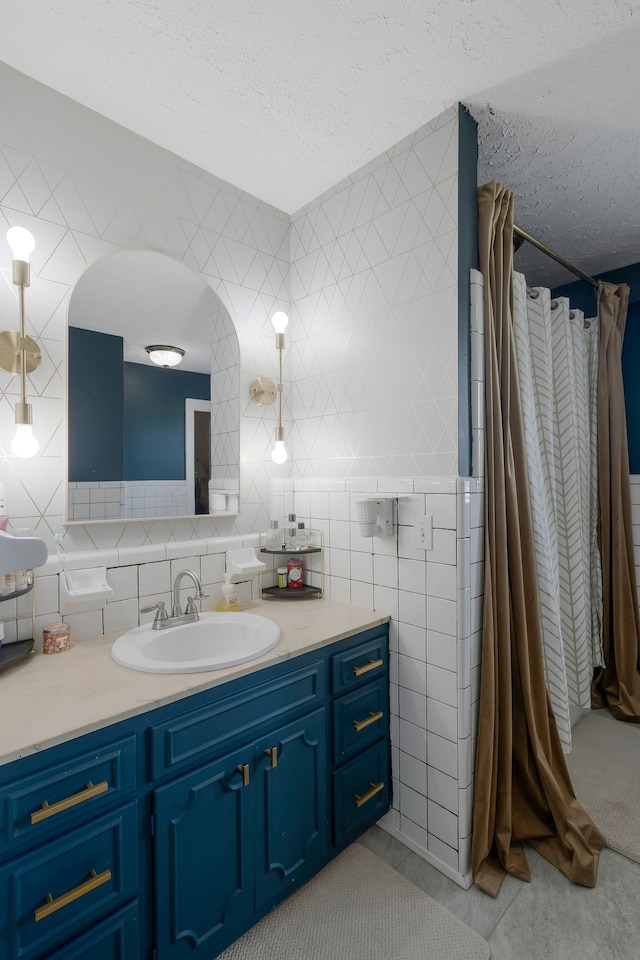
[228,602]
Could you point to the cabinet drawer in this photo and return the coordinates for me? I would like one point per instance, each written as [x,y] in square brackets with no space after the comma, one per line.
[116,938]
[359,665]
[64,886]
[211,730]
[361,792]
[359,718]
[35,807]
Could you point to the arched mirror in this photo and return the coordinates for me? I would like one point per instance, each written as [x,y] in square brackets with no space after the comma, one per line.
[149,440]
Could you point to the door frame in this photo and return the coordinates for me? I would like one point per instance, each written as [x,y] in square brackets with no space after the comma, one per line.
[191,406]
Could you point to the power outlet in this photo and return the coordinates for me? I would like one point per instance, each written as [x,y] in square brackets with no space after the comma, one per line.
[423,532]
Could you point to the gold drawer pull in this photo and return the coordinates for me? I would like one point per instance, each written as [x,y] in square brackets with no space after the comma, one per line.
[375,788]
[50,810]
[272,753]
[372,665]
[243,768]
[372,718]
[95,880]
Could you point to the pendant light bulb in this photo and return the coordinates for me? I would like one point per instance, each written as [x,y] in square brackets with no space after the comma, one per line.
[24,444]
[279,454]
[21,243]
[279,321]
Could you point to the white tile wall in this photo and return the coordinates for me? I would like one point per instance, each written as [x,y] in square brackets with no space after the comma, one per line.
[435,641]
[374,289]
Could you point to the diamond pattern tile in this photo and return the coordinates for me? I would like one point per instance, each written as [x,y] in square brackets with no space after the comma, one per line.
[368,272]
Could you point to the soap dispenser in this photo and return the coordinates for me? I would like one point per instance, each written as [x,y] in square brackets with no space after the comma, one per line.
[228,603]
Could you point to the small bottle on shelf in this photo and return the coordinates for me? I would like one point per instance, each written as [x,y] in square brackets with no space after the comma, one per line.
[274,537]
[303,537]
[282,577]
[291,533]
[295,574]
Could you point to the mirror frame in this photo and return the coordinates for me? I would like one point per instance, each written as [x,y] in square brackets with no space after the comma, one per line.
[233,485]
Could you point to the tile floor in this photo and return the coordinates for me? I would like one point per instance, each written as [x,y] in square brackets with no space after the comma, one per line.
[546,919]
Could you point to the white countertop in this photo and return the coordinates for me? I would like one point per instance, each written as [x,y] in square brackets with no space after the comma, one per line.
[47,699]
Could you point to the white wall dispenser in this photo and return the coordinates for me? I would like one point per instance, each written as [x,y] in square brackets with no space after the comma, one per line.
[374,516]
[21,553]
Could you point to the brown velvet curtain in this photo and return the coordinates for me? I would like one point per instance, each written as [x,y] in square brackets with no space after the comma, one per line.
[618,685]
[523,793]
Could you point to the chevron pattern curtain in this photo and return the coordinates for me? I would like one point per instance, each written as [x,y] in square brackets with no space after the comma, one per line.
[557,368]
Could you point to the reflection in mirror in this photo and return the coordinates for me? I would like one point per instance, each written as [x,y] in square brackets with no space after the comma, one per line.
[145,441]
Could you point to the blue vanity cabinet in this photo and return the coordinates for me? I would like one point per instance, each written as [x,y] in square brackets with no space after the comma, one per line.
[166,835]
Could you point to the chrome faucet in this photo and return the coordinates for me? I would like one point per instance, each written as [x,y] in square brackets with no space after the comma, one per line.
[162,619]
[191,611]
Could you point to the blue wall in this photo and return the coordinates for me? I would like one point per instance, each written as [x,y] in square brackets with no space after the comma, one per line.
[154,419]
[582,296]
[96,403]
[126,420]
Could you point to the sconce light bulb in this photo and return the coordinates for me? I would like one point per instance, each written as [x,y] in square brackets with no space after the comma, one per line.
[279,454]
[24,444]
[21,243]
[279,321]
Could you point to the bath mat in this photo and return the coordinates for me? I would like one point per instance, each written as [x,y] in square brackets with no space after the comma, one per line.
[358,908]
[604,766]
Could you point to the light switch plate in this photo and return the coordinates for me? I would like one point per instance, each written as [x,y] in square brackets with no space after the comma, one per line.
[423,532]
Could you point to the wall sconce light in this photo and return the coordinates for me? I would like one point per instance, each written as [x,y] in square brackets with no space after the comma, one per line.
[165,356]
[19,353]
[264,391]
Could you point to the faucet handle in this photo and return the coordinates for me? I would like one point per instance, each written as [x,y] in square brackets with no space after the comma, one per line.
[191,603]
[160,608]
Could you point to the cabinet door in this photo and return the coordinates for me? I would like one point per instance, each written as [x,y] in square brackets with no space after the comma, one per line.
[204,857]
[291,810]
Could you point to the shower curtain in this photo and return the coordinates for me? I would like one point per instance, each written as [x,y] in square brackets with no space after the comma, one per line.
[522,790]
[557,367]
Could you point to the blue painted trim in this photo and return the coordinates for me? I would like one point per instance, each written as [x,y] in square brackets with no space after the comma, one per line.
[467,259]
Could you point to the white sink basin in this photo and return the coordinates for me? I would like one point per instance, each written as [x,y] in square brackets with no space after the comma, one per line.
[216,640]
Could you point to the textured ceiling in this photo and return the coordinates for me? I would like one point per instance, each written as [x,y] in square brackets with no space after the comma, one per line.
[284,98]
[566,140]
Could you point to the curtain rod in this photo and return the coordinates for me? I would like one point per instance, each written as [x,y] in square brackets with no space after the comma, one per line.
[555,256]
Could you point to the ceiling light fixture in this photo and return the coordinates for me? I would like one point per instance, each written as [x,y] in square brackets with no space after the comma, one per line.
[165,356]
[19,353]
